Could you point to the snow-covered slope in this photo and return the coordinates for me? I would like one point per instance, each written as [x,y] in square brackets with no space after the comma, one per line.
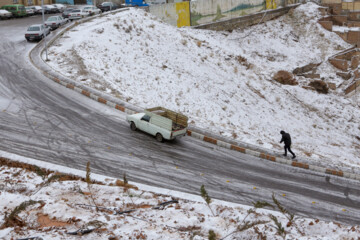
[34,204]
[221,80]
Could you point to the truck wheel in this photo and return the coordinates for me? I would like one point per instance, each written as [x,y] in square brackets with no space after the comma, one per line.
[133,126]
[159,137]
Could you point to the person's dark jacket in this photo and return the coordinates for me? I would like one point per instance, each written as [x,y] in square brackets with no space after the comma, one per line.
[286,139]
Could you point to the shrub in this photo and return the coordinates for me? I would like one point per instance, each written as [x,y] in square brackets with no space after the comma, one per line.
[285,78]
[320,86]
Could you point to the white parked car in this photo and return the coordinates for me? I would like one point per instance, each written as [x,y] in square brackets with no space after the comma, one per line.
[78,14]
[4,14]
[55,21]
[59,6]
[37,9]
[36,32]
[29,11]
[50,9]
[91,10]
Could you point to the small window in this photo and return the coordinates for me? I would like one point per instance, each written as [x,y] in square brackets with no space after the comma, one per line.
[30,2]
[146,118]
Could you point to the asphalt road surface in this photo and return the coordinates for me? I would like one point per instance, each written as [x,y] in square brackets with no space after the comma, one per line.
[45,121]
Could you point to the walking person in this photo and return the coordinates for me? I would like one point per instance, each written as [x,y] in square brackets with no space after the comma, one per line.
[287,141]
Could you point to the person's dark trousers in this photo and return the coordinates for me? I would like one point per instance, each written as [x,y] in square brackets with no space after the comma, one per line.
[288,148]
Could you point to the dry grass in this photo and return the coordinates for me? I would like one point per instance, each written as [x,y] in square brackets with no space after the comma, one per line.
[234,135]
[309,154]
[116,25]
[243,61]
[129,29]
[78,61]
[100,30]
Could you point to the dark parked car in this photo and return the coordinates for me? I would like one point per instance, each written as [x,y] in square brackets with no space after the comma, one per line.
[67,12]
[108,6]
[50,9]
[37,9]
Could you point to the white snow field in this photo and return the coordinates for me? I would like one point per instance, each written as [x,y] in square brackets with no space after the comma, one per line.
[50,207]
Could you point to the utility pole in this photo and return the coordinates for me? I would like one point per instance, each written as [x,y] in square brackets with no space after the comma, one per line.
[43,18]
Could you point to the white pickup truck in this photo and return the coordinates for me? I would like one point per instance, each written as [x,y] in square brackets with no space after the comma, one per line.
[159,122]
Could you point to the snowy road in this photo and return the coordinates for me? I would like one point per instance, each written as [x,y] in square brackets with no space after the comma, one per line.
[45,121]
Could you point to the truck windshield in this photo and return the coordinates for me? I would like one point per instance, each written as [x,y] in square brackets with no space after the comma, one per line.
[146,118]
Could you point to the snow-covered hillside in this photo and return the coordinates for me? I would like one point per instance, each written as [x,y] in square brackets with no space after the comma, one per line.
[34,203]
[221,80]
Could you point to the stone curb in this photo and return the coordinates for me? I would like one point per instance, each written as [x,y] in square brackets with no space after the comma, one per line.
[203,135]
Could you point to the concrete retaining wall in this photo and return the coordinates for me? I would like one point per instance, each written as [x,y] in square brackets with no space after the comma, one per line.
[166,12]
[203,12]
[243,22]
[209,11]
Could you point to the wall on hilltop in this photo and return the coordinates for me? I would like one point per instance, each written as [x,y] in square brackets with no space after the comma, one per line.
[211,11]
[246,21]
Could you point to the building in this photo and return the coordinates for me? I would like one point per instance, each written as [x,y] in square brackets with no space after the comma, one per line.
[25,2]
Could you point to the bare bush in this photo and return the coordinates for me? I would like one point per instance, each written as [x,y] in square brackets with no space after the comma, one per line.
[320,86]
[285,78]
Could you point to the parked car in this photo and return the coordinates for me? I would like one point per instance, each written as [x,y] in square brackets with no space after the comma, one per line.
[37,9]
[36,32]
[55,21]
[142,3]
[67,12]
[108,6]
[92,10]
[50,9]
[4,14]
[29,11]
[17,10]
[77,14]
[59,6]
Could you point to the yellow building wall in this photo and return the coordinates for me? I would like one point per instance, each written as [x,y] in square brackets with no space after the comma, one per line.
[183,13]
[25,2]
[347,6]
[351,6]
[270,4]
[356,6]
[6,2]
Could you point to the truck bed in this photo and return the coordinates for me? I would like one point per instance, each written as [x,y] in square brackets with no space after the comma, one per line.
[179,121]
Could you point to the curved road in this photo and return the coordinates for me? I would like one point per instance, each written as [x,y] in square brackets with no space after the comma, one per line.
[43,120]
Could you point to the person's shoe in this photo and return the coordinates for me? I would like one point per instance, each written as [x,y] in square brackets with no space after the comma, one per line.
[284,155]
[293,157]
